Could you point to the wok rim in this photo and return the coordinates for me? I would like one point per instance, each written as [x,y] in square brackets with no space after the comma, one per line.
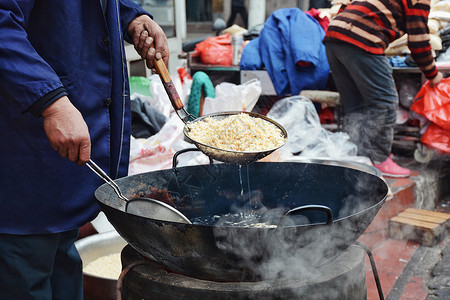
[335,220]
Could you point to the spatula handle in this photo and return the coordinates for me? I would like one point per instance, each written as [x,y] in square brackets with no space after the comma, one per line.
[169,86]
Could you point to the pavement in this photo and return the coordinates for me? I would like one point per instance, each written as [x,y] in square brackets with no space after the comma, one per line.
[408,270]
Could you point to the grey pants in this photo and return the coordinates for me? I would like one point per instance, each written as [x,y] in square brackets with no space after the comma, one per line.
[369,98]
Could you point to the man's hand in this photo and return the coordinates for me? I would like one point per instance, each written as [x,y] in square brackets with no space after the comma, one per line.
[435,81]
[146,32]
[67,131]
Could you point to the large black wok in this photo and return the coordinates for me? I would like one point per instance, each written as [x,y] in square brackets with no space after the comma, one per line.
[330,206]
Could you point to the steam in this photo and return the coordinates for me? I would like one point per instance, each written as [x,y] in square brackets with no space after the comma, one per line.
[298,250]
[427,185]
[301,250]
[372,131]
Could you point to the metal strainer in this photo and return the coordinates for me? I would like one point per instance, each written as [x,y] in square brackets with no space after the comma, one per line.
[142,206]
[228,156]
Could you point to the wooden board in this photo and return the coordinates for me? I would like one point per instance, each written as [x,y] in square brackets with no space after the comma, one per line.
[423,226]
[327,98]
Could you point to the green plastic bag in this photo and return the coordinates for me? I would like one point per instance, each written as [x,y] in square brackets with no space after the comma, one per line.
[140,85]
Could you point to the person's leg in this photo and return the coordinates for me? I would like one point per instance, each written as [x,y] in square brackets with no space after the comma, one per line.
[369,97]
[27,264]
[373,76]
[67,277]
[351,98]
[244,15]
[232,17]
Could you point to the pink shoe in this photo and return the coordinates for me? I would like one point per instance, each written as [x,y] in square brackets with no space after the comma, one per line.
[391,169]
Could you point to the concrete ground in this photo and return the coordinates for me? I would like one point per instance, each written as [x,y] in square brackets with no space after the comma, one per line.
[407,269]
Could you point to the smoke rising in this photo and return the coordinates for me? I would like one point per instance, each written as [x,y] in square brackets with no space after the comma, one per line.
[301,247]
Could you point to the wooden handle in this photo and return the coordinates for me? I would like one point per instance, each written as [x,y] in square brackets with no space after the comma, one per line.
[161,69]
[171,91]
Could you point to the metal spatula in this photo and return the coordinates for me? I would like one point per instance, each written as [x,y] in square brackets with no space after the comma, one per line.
[141,206]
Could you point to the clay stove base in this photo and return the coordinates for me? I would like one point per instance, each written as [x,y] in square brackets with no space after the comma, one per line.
[343,277]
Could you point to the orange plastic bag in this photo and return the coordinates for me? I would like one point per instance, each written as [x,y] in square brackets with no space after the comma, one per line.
[216,50]
[437,138]
[434,103]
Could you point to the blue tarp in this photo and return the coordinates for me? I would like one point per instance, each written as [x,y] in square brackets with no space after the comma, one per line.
[289,36]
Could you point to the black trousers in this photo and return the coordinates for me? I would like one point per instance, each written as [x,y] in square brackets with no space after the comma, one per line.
[369,98]
[40,267]
[235,10]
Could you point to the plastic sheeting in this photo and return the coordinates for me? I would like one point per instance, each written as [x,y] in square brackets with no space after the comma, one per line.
[306,136]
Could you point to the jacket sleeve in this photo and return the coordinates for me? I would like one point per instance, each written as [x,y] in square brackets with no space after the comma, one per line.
[128,11]
[419,38]
[25,77]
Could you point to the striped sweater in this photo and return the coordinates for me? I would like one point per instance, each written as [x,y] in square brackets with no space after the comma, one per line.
[371,25]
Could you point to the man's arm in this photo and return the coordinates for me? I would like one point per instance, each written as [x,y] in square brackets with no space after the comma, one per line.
[419,40]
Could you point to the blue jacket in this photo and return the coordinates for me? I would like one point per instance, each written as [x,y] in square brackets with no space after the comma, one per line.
[289,36]
[49,48]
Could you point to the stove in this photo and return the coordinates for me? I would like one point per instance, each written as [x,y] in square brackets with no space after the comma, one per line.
[341,277]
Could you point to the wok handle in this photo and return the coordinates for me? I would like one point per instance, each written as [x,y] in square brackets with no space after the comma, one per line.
[175,156]
[300,209]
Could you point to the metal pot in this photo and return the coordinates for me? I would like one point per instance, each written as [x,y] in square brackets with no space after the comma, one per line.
[337,202]
[92,248]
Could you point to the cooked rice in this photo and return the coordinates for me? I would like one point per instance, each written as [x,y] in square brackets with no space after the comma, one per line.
[108,266]
[240,132]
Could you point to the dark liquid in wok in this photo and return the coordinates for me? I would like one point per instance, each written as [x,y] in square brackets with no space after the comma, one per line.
[250,216]
[240,219]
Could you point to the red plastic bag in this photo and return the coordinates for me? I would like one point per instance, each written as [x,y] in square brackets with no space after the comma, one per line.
[216,50]
[434,103]
[437,138]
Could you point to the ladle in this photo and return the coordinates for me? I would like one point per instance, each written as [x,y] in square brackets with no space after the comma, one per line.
[142,206]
